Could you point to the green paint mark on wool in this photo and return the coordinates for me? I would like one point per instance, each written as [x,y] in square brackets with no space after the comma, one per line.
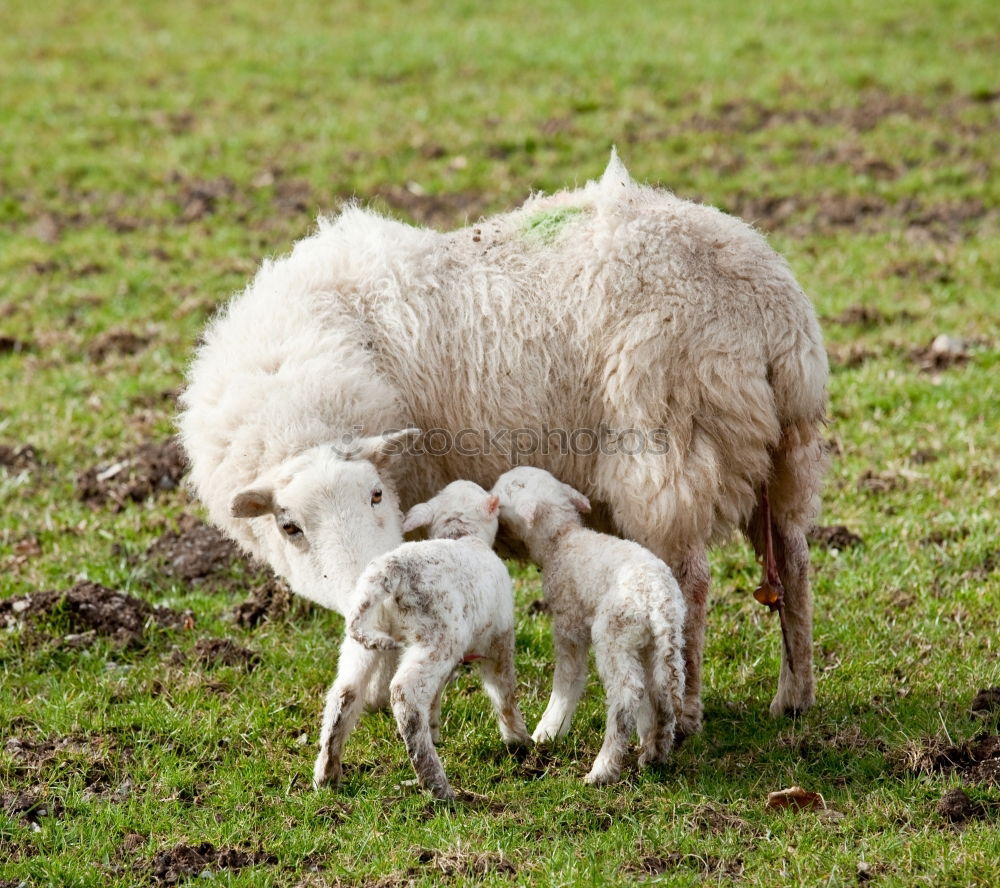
[546,224]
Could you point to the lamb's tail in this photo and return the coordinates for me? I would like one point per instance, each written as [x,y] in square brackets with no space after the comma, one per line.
[667,624]
[373,588]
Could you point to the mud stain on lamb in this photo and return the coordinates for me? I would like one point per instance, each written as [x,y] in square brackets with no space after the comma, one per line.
[84,612]
[150,469]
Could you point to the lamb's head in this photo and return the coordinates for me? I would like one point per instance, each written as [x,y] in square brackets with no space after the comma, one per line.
[533,501]
[459,510]
[325,513]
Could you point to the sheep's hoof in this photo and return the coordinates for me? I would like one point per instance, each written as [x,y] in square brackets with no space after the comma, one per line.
[601,778]
[327,773]
[791,704]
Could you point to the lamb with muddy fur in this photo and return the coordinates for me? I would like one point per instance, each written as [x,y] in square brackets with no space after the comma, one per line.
[610,592]
[439,603]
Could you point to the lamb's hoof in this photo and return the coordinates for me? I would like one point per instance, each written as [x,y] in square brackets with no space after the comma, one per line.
[653,757]
[518,744]
[543,735]
[442,794]
[687,726]
[326,773]
[791,704]
[601,778]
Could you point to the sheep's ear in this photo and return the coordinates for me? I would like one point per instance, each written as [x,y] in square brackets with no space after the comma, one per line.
[252,503]
[527,512]
[579,501]
[492,505]
[381,450]
[419,516]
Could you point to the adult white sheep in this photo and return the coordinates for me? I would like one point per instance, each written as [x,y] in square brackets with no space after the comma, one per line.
[609,309]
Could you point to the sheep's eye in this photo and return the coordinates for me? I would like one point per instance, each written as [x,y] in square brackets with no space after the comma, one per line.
[291,530]
[376,496]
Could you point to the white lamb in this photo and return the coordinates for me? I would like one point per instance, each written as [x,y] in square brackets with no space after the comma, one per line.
[609,592]
[442,602]
[574,320]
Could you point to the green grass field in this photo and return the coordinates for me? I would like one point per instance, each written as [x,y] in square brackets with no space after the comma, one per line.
[151,154]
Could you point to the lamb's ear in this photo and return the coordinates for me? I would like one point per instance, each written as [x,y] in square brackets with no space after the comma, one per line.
[492,505]
[528,512]
[252,503]
[419,516]
[381,450]
[579,501]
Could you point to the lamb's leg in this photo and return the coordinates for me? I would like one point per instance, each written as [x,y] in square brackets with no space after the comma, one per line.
[622,675]
[496,672]
[435,716]
[344,703]
[570,679]
[693,576]
[420,677]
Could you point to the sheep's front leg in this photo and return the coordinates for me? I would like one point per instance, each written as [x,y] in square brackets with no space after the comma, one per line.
[344,703]
[421,675]
[571,648]
[496,672]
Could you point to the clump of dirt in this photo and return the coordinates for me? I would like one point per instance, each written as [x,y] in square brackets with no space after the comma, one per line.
[975,761]
[986,702]
[849,355]
[117,341]
[706,864]
[29,806]
[212,652]
[459,862]
[9,345]
[436,210]
[89,610]
[194,551]
[183,861]
[717,819]
[876,482]
[538,606]
[270,600]
[19,458]
[198,198]
[956,807]
[834,536]
[149,469]
[861,315]
[943,352]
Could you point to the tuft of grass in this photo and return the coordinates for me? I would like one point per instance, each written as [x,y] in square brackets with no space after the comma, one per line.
[151,155]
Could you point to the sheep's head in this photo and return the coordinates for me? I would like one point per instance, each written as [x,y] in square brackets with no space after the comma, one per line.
[461,509]
[324,514]
[529,496]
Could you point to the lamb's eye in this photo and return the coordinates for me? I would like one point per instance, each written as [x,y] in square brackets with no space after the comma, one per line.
[376,496]
[291,530]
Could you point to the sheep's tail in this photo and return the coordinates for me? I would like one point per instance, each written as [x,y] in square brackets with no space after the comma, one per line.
[372,590]
[667,625]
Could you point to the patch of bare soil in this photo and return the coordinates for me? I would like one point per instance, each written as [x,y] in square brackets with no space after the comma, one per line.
[943,352]
[849,355]
[9,345]
[19,458]
[459,862]
[117,341]
[93,757]
[184,861]
[29,805]
[706,864]
[975,761]
[442,211]
[860,315]
[198,198]
[270,600]
[194,551]
[88,610]
[834,536]
[149,469]
[986,702]
[956,807]
[716,819]
[212,652]
[879,482]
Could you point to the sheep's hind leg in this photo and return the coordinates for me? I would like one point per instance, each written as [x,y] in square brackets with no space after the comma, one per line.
[344,703]
[421,676]
[693,577]
[570,679]
[497,675]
